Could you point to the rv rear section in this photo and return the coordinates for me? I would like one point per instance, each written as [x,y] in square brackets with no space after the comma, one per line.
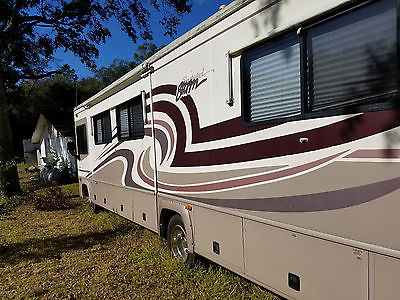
[265,139]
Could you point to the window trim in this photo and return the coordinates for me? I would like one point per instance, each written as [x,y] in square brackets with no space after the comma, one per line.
[128,104]
[387,102]
[102,116]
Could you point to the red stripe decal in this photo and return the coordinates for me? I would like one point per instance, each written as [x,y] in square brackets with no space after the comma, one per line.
[312,202]
[248,180]
[375,153]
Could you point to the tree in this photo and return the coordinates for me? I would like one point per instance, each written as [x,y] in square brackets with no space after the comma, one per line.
[144,51]
[118,68]
[32,30]
[35,96]
[57,92]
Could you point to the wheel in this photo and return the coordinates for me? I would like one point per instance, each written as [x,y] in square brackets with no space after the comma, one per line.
[95,208]
[177,242]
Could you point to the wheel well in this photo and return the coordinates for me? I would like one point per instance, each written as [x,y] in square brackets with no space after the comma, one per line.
[166,215]
[85,191]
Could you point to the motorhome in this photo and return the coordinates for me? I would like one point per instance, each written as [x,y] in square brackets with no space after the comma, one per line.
[267,140]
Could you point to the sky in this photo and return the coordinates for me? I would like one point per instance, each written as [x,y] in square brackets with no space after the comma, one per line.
[121,46]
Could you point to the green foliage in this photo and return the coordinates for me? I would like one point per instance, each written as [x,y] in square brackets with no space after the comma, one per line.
[32,31]
[57,92]
[8,204]
[118,68]
[50,198]
[5,168]
[104,76]
[57,164]
[45,95]
[88,87]
[144,51]
[5,165]
[64,167]
[33,97]
[52,159]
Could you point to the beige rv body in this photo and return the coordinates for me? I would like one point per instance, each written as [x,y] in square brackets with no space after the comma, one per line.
[329,215]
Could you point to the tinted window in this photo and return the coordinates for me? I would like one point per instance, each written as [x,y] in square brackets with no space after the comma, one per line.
[130,119]
[102,128]
[344,64]
[353,58]
[81,139]
[272,80]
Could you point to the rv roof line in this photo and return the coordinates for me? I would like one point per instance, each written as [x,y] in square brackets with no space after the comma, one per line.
[135,74]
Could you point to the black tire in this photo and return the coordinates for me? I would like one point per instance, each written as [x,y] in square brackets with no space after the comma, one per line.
[177,242]
[95,208]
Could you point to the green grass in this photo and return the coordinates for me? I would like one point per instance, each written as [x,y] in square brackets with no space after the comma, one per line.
[76,254]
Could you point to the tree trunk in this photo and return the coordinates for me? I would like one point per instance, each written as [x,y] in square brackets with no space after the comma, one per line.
[6,147]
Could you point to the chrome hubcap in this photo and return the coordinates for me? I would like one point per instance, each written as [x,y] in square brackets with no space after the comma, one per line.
[179,246]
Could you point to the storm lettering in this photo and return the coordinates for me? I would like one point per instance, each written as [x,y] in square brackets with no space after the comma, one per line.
[187,85]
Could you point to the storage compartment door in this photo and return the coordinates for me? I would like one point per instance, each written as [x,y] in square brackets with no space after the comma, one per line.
[145,209]
[386,271]
[304,267]
[218,236]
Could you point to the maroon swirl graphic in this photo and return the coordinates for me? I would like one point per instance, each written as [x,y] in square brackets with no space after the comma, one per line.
[338,133]
[128,155]
[239,182]
[313,202]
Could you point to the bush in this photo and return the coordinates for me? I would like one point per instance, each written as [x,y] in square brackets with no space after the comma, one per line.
[57,169]
[9,183]
[50,198]
[7,204]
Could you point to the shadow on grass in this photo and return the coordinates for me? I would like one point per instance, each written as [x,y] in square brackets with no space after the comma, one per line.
[4,211]
[39,249]
[204,262]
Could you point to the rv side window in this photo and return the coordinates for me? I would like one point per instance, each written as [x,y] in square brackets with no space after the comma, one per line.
[130,119]
[345,64]
[272,80]
[352,59]
[81,139]
[102,128]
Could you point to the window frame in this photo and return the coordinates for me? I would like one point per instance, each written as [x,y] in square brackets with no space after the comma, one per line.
[81,136]
[253,54]
[384,102]
[129,105]
[105,138]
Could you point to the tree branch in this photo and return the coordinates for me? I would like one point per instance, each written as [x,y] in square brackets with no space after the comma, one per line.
[42,21]
[38,76]
[14,14]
